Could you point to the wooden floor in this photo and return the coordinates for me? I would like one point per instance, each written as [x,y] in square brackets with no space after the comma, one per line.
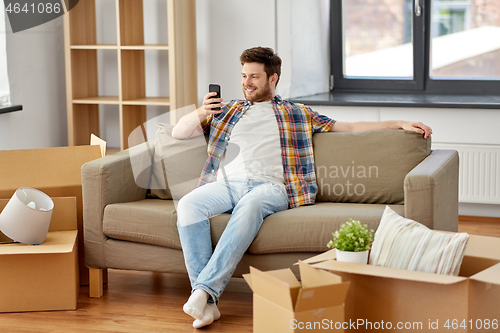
[474,225]
[137,302]
[152,302]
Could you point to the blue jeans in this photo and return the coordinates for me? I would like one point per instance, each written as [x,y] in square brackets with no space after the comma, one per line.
[249,201]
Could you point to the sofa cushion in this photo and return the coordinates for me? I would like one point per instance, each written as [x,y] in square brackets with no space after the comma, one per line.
[309,228]
[366,167]
[151,221]
[302,229]
[148,221]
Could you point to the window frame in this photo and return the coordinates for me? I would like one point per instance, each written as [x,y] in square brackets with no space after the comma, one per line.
[421,83]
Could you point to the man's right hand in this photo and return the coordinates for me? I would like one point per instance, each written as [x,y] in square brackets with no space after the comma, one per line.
[207,108]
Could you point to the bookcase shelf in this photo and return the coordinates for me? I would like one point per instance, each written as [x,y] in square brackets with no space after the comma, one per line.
[148,101]
[145,47]
[114,69]
[95,47]
[98,100]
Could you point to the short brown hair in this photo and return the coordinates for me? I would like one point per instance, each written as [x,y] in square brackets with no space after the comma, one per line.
[263,55]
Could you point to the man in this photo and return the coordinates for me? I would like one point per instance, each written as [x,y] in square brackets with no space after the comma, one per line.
[274,140]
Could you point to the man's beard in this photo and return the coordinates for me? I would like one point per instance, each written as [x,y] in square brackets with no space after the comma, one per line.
[261,95]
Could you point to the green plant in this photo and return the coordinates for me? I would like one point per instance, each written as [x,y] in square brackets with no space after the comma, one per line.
[352,236]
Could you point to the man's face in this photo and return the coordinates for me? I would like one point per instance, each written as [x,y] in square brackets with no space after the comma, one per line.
[256,86]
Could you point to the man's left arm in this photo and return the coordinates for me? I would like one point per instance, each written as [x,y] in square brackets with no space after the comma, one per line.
[362,126]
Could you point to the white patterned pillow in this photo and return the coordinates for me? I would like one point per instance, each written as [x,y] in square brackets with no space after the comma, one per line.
[405,244]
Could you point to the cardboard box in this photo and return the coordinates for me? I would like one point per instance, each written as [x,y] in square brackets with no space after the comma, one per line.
[386,298]
[282,304]
[43,277]
[54,171]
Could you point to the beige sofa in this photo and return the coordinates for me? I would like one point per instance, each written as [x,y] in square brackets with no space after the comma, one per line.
[357,176]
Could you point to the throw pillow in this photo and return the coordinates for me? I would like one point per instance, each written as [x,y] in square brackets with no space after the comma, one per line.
[405,244]
[177,164]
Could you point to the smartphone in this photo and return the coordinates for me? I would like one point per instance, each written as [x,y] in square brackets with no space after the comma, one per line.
[215,88]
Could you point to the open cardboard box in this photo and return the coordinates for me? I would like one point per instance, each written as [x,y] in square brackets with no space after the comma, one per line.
[43,277]
[54,171]
[385,298]
[282,304]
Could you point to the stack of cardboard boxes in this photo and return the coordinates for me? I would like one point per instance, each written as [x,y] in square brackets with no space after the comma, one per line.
[47,276]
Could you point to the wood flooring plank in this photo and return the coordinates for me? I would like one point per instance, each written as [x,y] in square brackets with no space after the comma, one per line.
[485,226]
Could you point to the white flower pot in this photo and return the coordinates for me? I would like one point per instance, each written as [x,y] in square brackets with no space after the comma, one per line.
[353,257]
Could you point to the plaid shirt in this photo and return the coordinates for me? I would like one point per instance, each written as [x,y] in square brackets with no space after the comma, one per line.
[296,124]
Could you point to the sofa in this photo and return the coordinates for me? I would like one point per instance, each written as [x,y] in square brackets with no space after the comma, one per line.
[130,226]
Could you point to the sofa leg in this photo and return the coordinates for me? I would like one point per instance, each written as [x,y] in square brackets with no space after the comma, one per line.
[95,282]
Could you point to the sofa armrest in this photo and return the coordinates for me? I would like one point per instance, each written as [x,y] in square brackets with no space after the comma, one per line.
[431,191]
[107,180]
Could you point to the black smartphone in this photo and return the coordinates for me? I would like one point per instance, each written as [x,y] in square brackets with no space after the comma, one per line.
[215,88]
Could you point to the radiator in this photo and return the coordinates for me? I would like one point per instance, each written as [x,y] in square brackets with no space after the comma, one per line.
[479,172]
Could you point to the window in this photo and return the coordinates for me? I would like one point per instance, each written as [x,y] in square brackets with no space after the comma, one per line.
[429,46]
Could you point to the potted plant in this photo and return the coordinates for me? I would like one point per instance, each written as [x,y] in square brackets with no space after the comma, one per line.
[352,242]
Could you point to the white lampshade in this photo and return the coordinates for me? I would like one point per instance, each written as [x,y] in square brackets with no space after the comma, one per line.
[26,217]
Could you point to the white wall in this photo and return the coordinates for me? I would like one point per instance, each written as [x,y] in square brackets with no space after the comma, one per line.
[224,29]
[37,81]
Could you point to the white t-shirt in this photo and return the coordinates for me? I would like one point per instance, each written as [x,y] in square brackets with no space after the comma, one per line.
[254,149]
